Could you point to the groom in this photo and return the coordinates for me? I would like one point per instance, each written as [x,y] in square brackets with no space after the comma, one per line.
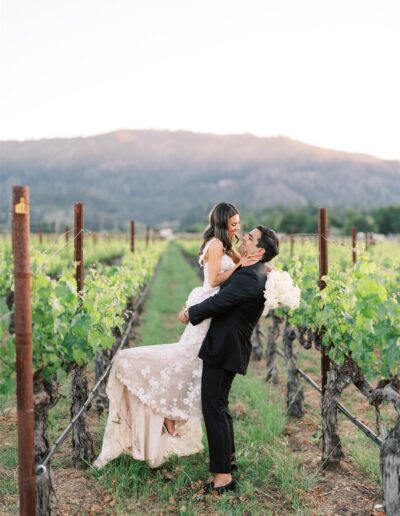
[226,349]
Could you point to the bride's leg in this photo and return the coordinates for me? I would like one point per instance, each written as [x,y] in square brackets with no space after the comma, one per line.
[170,425]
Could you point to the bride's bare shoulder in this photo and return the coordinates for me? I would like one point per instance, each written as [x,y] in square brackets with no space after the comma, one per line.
[215,248]
[216,244]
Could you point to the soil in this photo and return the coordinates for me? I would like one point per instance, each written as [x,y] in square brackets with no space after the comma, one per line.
[345,490]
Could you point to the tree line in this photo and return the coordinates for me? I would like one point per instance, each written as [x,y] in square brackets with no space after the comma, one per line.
[384,220]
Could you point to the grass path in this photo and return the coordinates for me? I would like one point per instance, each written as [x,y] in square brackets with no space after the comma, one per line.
[175,279]
[271,480]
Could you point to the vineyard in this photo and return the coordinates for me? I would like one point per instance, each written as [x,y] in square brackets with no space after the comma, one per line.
[85,309]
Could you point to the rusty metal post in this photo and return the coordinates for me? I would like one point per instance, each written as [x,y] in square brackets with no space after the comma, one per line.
[323,271]
[354,244]
[78,245]
[132,236]
[147,235]
[23,340]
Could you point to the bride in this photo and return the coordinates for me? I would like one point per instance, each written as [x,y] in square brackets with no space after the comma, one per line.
[154,391]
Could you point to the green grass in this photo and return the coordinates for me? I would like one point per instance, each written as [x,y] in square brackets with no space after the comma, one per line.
[364,453]
[175,279]
[8,467]
[271,480]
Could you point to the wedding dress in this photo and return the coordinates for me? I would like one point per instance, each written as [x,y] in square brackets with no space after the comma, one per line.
[150,383]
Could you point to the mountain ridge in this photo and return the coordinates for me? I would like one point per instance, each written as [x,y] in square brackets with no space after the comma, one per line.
[157,175]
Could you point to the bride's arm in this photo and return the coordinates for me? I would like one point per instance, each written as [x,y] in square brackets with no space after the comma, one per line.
[214,255]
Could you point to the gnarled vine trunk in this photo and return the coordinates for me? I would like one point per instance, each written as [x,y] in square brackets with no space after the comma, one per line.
[45,396]
[10,303]
[273,335]
[82,443]
[339,377]
[295,394]
[390,470]
[102,361]
[256,342]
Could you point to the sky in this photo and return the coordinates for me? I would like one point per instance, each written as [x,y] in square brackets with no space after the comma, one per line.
[325,72]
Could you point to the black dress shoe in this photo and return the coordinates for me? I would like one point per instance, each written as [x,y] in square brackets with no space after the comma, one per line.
[210,488]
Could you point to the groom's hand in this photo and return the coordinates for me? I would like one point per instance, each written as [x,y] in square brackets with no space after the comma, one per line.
[183,316]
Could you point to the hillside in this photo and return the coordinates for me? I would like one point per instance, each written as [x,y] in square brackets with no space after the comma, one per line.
[157,176]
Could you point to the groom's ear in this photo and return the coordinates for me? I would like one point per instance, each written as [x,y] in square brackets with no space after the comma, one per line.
[260,251]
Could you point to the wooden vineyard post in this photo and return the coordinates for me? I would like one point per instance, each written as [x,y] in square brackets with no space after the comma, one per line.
[78,245]
[82,443]
[23,341]
[354,244]
[366,240]
[332,451]
[132,236]
[323,271]
[66,234]
[40,236]
[291,241]
[147,235]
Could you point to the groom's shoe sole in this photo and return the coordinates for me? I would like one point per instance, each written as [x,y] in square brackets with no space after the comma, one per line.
[209,488]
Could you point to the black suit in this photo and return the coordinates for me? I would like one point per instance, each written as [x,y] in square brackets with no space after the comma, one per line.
[226,351]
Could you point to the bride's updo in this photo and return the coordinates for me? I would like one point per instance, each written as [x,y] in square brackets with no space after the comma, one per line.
[218,221]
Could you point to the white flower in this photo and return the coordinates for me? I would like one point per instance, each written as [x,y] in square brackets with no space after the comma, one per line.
[178,367]
[154,383]
[196,373]
[165,375]
[145,371]
[280,291]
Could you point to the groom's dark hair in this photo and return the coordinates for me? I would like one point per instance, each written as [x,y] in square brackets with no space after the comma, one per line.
[268,241]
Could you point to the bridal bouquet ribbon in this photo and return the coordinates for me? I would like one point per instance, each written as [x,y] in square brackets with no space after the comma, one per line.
[280,292]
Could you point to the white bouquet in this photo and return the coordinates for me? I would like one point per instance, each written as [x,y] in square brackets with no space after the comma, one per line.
[280,291]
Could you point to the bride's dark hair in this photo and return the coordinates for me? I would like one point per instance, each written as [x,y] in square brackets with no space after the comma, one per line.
[218,221]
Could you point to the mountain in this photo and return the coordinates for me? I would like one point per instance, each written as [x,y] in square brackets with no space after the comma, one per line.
[156,176]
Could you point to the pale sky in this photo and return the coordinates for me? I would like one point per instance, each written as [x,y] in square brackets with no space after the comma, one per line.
[325,72]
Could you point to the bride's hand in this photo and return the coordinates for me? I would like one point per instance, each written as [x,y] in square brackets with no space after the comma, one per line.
[248,259]
[183,317]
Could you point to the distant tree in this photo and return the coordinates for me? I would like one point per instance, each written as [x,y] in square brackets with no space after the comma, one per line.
[388,219]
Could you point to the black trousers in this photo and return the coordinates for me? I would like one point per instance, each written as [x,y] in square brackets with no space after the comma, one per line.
[215,388]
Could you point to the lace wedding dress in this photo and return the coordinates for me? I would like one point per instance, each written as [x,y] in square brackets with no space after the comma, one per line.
[149,383]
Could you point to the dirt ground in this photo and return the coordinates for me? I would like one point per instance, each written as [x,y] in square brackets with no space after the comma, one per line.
[346,490]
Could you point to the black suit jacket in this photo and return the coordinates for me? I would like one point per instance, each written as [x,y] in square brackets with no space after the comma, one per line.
[235,311]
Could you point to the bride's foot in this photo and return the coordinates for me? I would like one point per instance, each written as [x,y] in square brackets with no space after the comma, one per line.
[169,426]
